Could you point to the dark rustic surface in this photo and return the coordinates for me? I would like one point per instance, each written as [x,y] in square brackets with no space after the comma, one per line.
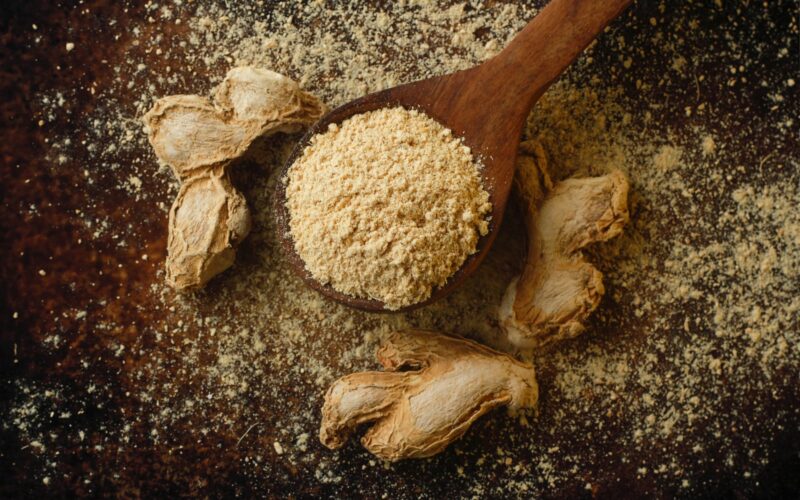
[97,268]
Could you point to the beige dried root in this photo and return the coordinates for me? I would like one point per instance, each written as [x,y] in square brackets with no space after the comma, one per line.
[199,139]
[191,133]
[558,288]
[433,389]
[207,221]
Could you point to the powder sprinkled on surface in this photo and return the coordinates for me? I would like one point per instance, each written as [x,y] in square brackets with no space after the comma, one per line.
[684,384]
[387,206]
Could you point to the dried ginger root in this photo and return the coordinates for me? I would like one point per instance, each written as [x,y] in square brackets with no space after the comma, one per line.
[191,133]
[207,221]
[199,139]
[558,288]
[433,389]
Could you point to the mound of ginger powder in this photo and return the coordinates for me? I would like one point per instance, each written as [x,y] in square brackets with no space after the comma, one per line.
[386,205]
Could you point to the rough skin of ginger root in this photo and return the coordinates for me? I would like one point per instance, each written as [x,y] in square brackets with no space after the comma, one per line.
[199,139]
[558,288]
[433,389]
[207,221]
[191,133]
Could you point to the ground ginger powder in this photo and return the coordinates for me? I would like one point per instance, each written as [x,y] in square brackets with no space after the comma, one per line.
[387,205]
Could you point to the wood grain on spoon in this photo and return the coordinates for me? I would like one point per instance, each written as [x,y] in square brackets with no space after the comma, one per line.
[486,105]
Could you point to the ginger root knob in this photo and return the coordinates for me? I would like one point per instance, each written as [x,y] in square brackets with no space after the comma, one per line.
[199,138]
[207,221]
[558,288]
[433,389]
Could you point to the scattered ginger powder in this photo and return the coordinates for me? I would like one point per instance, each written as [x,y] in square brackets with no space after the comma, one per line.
[387,205]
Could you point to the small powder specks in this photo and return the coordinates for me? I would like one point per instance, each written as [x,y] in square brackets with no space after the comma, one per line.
[708,145]
[667,158]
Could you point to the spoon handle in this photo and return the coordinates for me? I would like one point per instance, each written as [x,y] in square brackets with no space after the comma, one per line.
[550,43]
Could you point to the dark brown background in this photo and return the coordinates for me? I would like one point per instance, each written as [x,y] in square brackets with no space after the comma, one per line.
[45,239]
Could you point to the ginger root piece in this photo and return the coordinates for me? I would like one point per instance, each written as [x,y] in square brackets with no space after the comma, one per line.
[190,132]
[199,139]
[273,101]
[190,135]
[207,221]
[558,288]
[433,389]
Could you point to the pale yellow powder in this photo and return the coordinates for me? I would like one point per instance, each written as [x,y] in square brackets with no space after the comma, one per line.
[386,206]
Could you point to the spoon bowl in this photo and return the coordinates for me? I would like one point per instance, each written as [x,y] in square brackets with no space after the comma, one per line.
[486,106]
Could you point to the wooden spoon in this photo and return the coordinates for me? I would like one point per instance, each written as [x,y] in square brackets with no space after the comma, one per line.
[486,105]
